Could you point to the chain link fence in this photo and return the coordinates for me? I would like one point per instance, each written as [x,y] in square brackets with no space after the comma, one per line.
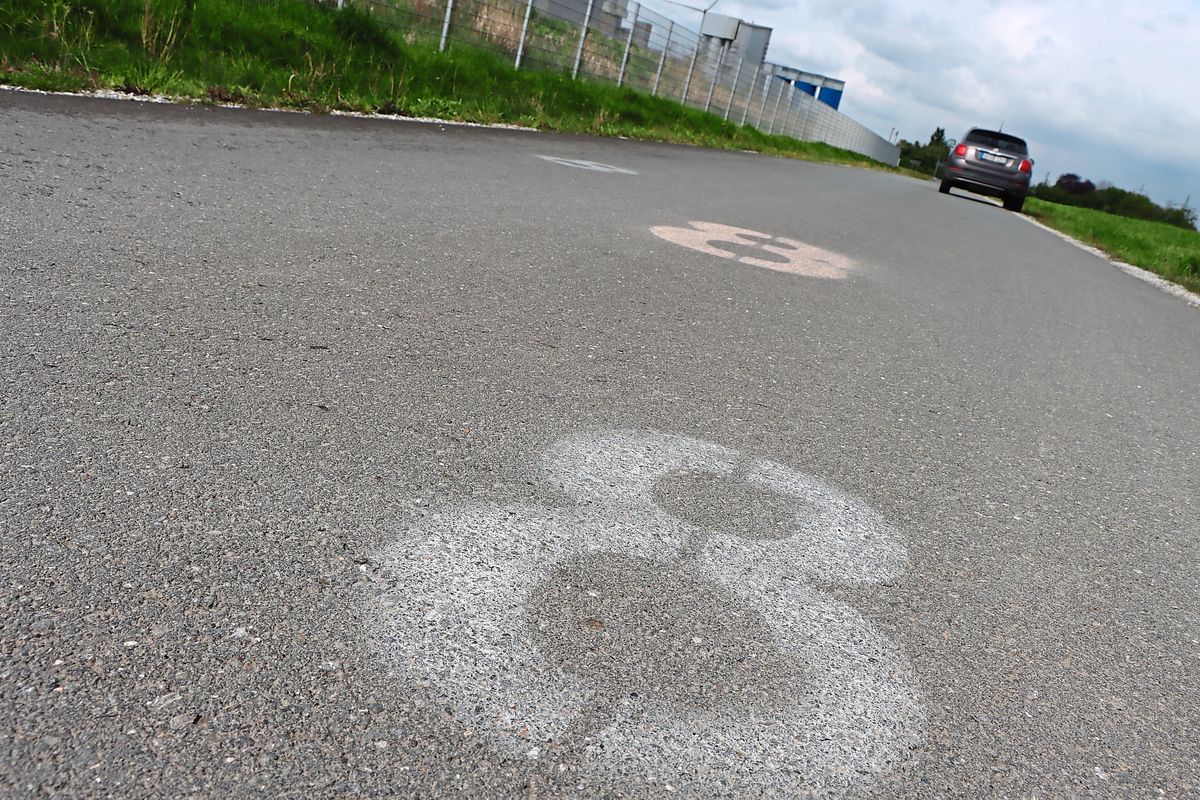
[628,44]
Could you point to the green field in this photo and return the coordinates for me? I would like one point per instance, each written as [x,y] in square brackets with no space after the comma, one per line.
[1172,252]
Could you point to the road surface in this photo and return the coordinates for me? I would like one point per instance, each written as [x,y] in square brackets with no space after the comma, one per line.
[360,457]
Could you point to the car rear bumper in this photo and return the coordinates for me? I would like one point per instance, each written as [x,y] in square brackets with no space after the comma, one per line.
[961,173]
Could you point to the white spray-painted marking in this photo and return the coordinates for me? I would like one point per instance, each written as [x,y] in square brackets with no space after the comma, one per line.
[778,253]
[594,166]
[455,620]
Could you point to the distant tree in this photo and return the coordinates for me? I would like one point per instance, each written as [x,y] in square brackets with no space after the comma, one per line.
[1072,190]
[1180,216]
[924,157]
[1073,184]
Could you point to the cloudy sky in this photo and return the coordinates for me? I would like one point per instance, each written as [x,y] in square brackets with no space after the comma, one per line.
[1107,90]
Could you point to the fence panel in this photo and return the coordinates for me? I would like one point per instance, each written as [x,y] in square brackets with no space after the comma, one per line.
[623,42]
[419,21]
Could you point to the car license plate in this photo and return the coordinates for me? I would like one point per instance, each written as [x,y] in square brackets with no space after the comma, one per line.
[986,156]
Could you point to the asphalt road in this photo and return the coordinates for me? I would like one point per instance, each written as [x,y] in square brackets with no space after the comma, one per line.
[356,457]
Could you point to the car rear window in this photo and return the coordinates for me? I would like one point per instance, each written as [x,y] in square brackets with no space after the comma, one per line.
[999,140]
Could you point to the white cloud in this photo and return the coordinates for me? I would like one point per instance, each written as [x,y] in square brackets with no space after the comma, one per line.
[1109,90]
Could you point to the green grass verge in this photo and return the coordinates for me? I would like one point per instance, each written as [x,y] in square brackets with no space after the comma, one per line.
[288,53]
[1173,253]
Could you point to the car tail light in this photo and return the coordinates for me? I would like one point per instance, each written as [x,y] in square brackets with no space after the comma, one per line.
[961,150]
[1026,166]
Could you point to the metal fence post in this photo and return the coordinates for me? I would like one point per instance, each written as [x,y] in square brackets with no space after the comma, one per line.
[803,134]
[446,26]
[587,20]
[524,30]
[737,76]
[712,87]
[775,113]
[761,118]
[687,84]
[766,94]
[750,99]
[663,60]
[637,9]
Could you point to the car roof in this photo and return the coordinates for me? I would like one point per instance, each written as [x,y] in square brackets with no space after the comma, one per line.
[997,139]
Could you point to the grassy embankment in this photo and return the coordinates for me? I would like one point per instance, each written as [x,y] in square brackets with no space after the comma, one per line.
[294,55]
[1172,252]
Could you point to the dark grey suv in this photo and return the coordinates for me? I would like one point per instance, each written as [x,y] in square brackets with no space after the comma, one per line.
[990,163]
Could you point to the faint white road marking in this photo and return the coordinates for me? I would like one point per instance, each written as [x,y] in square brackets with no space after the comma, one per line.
[758,249]
[595,166]
[454,618]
